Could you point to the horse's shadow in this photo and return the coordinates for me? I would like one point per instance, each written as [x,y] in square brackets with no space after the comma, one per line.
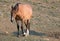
[31,33]
[37,33]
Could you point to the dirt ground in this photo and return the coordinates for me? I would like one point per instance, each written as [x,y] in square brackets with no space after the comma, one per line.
[45,22]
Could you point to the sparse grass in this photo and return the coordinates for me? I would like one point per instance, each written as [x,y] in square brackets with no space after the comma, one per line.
[46,19]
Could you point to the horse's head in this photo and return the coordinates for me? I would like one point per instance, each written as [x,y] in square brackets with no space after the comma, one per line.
[12,13]
[14,9]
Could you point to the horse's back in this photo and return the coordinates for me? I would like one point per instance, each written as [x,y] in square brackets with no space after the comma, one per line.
[25,11]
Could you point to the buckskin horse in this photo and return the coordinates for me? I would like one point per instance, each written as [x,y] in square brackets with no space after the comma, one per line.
[22,12]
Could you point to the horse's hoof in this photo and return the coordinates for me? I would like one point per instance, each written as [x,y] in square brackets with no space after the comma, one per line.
[23,35]
[18,36]
[26,34]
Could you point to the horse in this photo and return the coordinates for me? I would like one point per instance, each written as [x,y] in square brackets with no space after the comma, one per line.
[22,12]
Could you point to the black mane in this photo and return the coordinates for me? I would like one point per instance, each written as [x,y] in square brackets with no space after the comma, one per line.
[15,7]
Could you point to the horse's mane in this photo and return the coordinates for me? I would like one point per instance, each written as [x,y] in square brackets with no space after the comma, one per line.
[16,7]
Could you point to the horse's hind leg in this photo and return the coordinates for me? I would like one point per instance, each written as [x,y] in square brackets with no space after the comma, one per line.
[27,27]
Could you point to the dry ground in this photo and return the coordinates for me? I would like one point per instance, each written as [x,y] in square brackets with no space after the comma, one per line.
[45,23]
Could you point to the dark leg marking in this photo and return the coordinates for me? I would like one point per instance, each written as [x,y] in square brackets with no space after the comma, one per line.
[22,28]
[17,28]
[28,24]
